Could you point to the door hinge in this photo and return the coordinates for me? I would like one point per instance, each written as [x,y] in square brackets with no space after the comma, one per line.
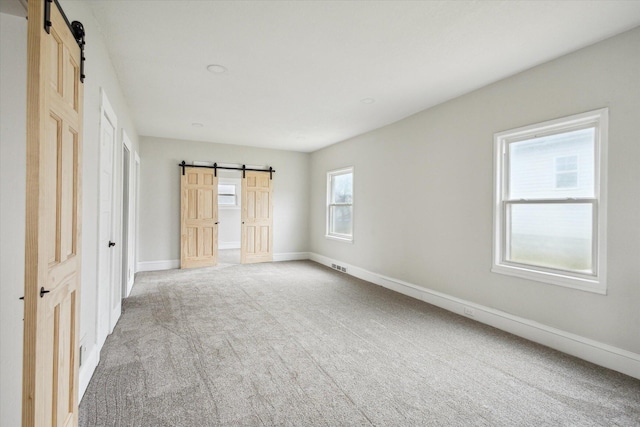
[78,32]
[47,16]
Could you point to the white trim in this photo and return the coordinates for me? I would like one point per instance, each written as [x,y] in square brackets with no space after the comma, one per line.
[229,245]
[335,236]
[290,256]
[89,365]
[171,264]
[136,219]
[168,264]
[584,348]
[131,243]
[339,239]
[596,282]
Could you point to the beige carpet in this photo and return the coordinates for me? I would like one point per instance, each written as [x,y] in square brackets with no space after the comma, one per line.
[297,344]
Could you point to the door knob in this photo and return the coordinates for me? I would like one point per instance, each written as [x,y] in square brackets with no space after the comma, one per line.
[111,243]
[42,292]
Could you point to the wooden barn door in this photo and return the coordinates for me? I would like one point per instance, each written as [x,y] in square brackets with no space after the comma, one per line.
[257,218]
[199,218]
[52,260]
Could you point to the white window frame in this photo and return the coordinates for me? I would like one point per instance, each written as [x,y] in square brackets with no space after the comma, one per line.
[338,236]
[595,282]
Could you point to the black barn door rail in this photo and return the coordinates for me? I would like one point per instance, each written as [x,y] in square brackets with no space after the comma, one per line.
[215,168]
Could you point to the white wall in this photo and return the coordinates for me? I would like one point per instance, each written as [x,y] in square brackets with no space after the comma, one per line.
[160,194]
[13,128]
[423,193]
[100,73]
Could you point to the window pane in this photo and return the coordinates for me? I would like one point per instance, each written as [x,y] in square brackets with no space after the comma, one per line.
[226,189]
[555,166]
[340,219]
[551,235]
[226,200]
[342,188]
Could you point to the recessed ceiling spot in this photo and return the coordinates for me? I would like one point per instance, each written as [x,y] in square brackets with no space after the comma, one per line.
[368,100]
[197,125]
[216,69]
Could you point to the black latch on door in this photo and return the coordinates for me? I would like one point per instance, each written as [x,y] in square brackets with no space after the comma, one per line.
[111,243]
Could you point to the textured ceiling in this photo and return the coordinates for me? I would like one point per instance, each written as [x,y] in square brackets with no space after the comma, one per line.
[298,70]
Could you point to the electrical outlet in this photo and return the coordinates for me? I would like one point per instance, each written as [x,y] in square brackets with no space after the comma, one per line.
[468,311]
[343,269]
[333,266]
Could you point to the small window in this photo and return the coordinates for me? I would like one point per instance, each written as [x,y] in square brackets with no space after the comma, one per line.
[550,209]
[566,172]
[227,195]
[340,204]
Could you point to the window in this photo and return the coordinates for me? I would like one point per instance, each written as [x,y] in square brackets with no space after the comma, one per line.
[227,195]
[340,204]
[566,172]
[550,211]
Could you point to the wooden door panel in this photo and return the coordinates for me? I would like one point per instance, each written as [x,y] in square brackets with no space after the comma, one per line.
[265,205]
[257,221]
[53,222]
[68,188]
[264,239]
[199,218]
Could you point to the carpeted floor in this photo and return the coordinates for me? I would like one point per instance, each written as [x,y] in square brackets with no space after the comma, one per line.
[297,344]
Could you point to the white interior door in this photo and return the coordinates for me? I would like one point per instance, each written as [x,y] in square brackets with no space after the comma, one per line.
[108,295]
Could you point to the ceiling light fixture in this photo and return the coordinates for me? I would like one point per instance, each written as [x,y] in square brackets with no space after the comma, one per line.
[216,69]
[197,125]
[368,100]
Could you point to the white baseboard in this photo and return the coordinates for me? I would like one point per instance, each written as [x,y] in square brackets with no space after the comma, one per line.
[291,256]
[584,348]
[175,263]
[228,245]
[168,264]
[89,365]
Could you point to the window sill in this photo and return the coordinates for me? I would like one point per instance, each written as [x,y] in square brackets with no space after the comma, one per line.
[339,239]
[589,285]
[228,207]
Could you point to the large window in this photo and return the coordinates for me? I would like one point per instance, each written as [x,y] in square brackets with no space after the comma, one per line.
[340,204]
[550,201]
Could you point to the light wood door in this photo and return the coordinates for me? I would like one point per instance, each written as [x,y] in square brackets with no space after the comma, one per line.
[199,218]
[257,218]
[52,260]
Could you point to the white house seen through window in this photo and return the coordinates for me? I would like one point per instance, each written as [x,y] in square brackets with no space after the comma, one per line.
[340,204]
[550,209]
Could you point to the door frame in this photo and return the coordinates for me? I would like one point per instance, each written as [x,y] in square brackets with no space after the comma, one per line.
[128,246]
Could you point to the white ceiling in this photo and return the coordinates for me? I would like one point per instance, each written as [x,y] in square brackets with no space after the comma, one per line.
[298,70]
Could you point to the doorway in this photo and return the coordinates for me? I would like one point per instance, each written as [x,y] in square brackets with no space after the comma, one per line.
[230,216]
